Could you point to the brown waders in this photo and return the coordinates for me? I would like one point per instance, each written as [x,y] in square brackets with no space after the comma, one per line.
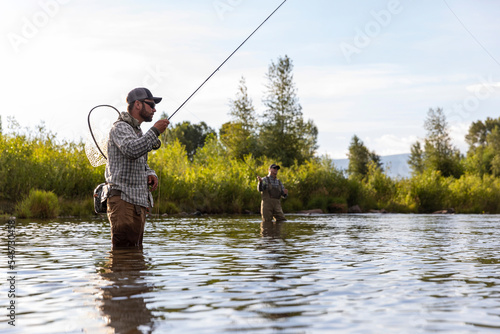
[127,222]
[271,205]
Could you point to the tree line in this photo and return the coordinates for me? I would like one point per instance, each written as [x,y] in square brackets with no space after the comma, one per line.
[280,133]
[203,170]
[436,152]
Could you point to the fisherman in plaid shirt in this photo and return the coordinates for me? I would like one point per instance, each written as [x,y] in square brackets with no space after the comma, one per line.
[271,190]
[127,173]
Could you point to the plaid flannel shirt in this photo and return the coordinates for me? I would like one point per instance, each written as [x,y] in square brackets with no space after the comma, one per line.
[127,169]
[274,182]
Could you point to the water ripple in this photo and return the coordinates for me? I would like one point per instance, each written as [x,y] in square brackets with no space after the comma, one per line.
[312,274]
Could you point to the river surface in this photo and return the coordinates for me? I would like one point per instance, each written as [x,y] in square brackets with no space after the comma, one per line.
[366,273]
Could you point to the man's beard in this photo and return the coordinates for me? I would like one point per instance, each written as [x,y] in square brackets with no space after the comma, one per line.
[145,116]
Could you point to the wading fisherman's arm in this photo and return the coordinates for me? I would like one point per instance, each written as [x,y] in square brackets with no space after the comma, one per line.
[133,147]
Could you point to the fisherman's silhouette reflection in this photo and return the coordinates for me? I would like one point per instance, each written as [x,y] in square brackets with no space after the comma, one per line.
[271,229]
[123,303]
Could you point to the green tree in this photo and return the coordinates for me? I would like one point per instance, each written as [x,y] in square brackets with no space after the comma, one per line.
[191,136]
[439,153]
[483,156]
[478,132]
[240,135]
[284,134]
[242,110]
[493,140]
[416,159]
[239,141]
[360,158]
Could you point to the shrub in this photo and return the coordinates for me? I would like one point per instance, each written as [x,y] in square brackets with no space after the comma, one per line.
[429,191]
[39,204]
[77,207]
[291,204]
[167,207]
[379,187]
[475,194]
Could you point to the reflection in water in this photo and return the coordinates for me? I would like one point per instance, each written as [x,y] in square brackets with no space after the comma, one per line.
[122,301]
[271,229]
[275,263]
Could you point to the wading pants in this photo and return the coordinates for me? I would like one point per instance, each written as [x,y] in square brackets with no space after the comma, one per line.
[127,222]
[271,207]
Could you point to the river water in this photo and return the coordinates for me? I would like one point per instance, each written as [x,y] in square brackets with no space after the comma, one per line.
[366,273]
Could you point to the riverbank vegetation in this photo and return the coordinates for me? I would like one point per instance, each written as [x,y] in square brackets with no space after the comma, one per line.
[214,181]
[208,171]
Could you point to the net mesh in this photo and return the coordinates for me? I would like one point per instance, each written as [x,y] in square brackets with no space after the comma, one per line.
[93,154]
[101,119]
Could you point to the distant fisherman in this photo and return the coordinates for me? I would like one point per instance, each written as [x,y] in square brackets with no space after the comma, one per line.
[271,190]
[127,170]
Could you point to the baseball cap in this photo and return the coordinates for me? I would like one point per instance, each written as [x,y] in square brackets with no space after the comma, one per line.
[141,94]
[274,166]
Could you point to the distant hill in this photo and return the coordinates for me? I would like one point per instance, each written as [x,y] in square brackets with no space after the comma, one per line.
[395,165]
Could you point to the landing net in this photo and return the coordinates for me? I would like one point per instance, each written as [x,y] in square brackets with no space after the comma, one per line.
[100,121]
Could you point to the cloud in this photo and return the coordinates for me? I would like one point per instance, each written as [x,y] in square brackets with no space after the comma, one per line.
[485,88]
[457,132]
[389,144]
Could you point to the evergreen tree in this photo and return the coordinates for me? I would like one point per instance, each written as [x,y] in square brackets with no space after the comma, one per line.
[439,153]
[239,141]
[360,158]
[284,135]
[242,110]
[376,161]
[239,135]
[416,159]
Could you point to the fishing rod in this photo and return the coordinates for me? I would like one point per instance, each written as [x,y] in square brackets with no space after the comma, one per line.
[192,94]
[197,89]
[208,78]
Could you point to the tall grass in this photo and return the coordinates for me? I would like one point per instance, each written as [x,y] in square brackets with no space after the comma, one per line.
[40,163]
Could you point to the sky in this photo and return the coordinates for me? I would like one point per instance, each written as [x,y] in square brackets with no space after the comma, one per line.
[367,68]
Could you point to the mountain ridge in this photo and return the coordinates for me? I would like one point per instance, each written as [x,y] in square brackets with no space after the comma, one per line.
[395,165]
